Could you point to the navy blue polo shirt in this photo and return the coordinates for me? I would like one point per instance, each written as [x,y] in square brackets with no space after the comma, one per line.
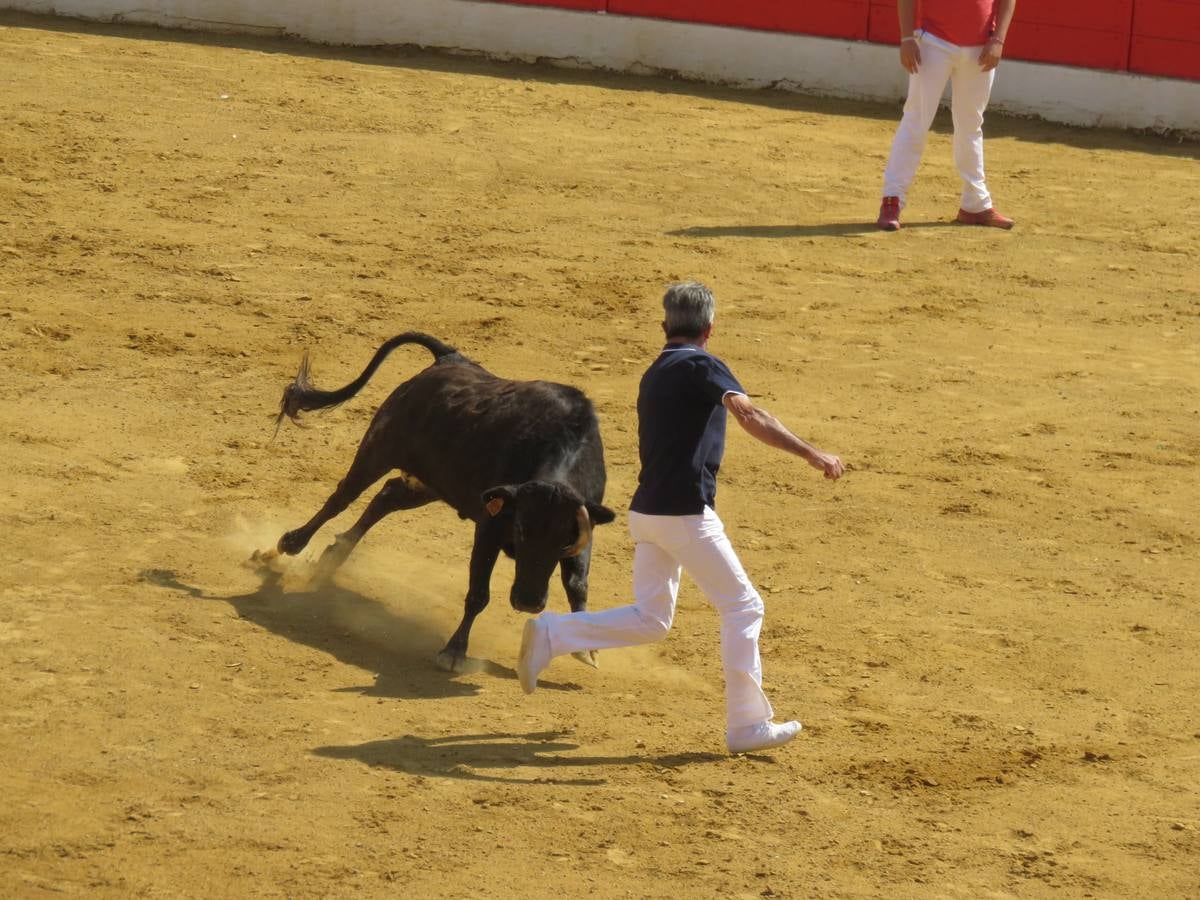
[681,431]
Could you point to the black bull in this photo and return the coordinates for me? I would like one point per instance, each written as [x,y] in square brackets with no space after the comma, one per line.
[522,459]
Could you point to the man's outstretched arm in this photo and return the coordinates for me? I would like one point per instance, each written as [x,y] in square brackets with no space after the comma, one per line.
[768,429]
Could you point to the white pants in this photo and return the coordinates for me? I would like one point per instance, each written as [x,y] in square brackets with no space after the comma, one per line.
[665,546]
[970,88]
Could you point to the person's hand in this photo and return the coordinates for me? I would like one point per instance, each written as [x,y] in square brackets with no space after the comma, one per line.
[910,56]
[829,464]
[989,58]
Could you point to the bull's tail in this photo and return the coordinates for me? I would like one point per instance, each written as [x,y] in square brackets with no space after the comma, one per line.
[300,396]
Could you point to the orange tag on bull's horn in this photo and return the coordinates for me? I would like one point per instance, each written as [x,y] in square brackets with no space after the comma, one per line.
[494,506]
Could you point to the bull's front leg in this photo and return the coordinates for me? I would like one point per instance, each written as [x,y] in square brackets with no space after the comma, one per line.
[574,571]
[484,553]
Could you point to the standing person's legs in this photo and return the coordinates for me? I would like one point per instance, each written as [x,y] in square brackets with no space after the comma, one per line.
[710,560]
[970,89]
[924,94]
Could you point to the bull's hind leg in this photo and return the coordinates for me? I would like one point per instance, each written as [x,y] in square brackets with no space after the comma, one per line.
[400,493]
[368,467]
[483,559]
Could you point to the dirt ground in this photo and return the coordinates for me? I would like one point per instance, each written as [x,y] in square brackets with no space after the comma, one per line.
[989,627]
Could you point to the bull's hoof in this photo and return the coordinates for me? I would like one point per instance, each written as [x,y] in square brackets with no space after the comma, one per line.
[331,560]
[292,542]
[449,661]
[588,658]
[265,563]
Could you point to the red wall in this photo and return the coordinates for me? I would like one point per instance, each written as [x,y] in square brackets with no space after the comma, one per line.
[1093,33]
[827,18]
[1153,37]
[588,5]
[1166,38]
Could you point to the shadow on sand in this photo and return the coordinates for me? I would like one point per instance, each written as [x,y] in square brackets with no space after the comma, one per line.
[831,229]
[464,756]
[356,630]
[362,632]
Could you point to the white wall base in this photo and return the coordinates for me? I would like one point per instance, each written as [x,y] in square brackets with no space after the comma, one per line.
[703,52]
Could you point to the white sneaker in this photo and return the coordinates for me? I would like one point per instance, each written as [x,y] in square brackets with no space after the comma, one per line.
[534,655]
[760,736]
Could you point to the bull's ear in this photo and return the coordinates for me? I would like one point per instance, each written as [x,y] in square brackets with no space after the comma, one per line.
[600,515]
[494,499]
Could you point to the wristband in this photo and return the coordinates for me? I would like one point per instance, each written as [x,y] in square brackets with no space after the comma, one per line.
[996,41]
[913,39]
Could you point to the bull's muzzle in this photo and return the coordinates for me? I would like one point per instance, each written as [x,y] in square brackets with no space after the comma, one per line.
[527,604]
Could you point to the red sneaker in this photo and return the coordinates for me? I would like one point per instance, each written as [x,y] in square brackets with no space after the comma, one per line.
[889,214]
[988,217]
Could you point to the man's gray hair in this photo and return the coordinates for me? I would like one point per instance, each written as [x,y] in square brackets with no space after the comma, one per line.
[690,308]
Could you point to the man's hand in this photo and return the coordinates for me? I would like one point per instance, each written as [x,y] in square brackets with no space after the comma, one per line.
[910,55]
[828,463]
[989,58]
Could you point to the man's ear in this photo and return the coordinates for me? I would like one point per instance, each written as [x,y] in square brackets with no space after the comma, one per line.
[600,515]
[495,499]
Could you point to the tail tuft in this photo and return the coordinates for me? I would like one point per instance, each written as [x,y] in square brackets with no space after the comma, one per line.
[294,395]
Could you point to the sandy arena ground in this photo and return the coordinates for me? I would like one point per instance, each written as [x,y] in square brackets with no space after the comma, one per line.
[989,627]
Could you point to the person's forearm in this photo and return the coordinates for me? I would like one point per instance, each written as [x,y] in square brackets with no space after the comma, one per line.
[906,17]
[1004,14]
[768,429]
[764,427]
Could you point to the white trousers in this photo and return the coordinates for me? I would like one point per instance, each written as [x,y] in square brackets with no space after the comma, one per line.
[665,546]
[970,88]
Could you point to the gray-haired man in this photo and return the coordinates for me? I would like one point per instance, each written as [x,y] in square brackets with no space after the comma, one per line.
[681,437]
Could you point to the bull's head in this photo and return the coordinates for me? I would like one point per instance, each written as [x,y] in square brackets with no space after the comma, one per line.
[545,522]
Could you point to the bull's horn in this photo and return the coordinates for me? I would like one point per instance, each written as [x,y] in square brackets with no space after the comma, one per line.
[585,532]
